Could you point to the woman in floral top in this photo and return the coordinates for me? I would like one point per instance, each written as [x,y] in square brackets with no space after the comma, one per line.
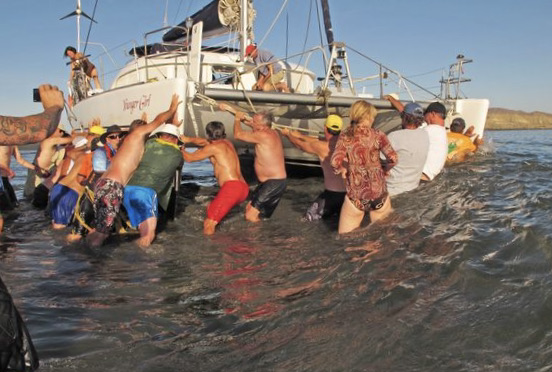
[357,159]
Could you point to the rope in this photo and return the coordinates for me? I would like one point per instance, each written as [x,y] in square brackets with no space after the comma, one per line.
[273,23]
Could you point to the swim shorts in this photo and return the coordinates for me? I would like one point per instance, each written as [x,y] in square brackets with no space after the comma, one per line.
[231,193]
[370,205]
[108,197]
[40,196]
[140,204]
[62,202]
[277,77]
[267,195]
[327,204]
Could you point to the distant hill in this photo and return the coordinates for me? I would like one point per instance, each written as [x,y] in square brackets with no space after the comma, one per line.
[499,118]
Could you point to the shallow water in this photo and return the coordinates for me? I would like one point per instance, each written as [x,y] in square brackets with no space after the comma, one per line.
[458,279]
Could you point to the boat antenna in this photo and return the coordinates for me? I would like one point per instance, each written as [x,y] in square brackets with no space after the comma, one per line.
[77,13]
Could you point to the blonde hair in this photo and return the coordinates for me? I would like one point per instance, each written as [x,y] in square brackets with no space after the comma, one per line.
[362,111]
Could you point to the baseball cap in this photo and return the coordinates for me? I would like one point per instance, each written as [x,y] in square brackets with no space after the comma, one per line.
[250,48]
[413,109]
[436,107]
[334,122]
[96,129]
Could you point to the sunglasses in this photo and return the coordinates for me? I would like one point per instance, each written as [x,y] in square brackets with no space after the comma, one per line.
[115,136]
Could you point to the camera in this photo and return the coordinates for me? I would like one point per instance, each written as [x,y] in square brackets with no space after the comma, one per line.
[36,95]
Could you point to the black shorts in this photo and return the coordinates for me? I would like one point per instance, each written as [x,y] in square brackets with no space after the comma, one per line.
[326,205]
[267,195]
[40,196]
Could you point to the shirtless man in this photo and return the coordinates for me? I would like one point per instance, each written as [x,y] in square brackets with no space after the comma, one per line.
[65,193]
[34,128]
[6,153]
[49,155]
[223,156]
[329,202]
[269,162]
[108,193]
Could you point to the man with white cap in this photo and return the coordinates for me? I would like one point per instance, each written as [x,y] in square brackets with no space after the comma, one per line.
[329,202]
[65,193]
[151,183]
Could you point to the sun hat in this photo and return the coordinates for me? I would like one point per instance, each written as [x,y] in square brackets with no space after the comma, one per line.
[110,130]
[170,129]
[334,122]
[96,129]
[413,109]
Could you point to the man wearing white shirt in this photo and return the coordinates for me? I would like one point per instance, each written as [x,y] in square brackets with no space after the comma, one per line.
[434,116]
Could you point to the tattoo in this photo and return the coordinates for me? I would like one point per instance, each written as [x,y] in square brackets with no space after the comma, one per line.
[29,129]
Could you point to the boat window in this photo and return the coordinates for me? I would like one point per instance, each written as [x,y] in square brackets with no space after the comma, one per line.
[223,74]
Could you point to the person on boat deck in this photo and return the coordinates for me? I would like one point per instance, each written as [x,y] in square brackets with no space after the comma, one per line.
[329,202]
[34,128]
[78,60]
[223,156]
[9,199]
[411,144]
[65,193]
[111,140]
[459,144]
[434,116]
[151,184]
[271,75]
[357,159]
[48,157]
[269,163]
[108,192]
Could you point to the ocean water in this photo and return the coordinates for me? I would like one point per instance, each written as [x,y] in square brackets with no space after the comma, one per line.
[458,279]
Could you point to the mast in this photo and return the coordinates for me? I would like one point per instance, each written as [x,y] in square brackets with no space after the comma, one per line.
[244,16]
[327,23]
[77,13]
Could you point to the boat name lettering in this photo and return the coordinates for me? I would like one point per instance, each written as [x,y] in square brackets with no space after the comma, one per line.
[139,104]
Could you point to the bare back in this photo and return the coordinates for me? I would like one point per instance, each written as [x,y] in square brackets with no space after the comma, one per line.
[129,155]
[269,156]
[225,161]
[5,157]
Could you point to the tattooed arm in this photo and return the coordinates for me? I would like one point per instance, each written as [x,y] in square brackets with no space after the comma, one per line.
[34,128]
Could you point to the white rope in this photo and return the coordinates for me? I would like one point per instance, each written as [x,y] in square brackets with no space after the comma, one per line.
[273,23]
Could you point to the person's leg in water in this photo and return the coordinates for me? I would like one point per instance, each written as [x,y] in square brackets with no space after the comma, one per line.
[350,217]
[147,232]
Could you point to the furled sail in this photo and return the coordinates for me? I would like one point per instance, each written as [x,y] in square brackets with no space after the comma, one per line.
[219,17]
[327,23]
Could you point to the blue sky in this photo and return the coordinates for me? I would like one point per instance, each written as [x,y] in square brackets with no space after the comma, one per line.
[509,41]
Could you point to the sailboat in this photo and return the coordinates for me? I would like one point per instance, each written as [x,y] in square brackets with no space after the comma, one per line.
[202,76]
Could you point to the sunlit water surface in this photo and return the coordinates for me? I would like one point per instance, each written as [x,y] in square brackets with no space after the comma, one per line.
[458,279]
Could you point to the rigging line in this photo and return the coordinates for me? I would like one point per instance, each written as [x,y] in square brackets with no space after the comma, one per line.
[307,33]
[321,36]
[89,28]
[391,70]
[273,23]
[177,11]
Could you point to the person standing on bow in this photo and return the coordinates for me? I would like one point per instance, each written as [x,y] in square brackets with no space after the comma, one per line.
[78,60]
[329,202]
[357,159]
[271,75]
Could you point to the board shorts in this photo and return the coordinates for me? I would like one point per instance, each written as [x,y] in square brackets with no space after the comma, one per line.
[40,196]
[62,202]
[327,204]
[140,204]
[277,77]
[108,197]
[267,195]
[230,194]
[370,205]
[84,213]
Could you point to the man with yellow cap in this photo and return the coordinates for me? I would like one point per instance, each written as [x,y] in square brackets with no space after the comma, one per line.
[329,202]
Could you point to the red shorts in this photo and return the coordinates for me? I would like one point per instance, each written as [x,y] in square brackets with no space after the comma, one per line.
[230,194]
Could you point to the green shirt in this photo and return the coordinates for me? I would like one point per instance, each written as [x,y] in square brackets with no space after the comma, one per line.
[157,168]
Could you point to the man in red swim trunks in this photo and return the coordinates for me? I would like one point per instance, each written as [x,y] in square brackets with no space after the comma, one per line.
[223,156]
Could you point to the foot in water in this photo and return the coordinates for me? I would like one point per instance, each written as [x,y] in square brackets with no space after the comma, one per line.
[95,238]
